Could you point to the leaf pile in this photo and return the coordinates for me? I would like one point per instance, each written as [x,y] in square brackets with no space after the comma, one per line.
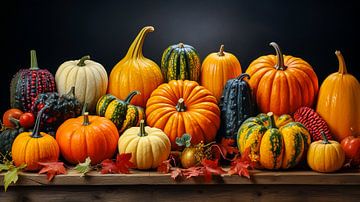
[122,164]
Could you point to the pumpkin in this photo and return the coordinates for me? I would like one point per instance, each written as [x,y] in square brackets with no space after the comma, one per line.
[120,112]
[271,147]
[10,117]
[87,136]
[236,106]
[32,147]
[7,137]
[135,72]
[28,83]
[217,69]
[180,107]
[282,84]
[351,147]
[149,146]
[325,155]
[180,62]
[88,77]
[338,102]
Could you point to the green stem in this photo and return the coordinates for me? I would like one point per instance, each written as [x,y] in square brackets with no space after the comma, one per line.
[180,107]
[84,108]
[131,95]
[81,63]
[280,58]
[271,120]
[142,129]
[342,65]
[33,60]
[15,121]
[242,76]
[86,121]
[221,51]
[325,139]
[36,130]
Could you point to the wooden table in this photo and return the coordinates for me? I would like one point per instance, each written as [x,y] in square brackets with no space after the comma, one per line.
[152,186]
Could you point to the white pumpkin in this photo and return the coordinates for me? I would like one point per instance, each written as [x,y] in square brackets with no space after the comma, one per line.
[89,78]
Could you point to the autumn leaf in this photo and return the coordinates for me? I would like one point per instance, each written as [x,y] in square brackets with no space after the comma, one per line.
[52,168]
[84,167]
[164,167]
[122,164]
[227,146]
[193,172]
[211,168]
[176,173]
[241,166]
[11,176]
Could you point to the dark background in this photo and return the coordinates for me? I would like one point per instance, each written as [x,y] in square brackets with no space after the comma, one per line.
[68,29]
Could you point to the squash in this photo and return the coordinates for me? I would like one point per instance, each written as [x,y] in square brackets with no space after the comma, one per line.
[120,112]
[28,83]
[87,136]
[135,72]
[236,106]
[149,146]
[325,155]
[180,62]
[7,137]
[217,69]
[10,117]
[88,77]
[338,102]
[271,147]
[282,84]
[32,147]
[180,107]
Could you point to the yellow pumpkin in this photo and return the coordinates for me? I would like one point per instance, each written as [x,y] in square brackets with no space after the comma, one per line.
[325,155]
[339,102]
[149,146]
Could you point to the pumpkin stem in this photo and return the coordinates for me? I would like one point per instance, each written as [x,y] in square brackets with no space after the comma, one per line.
[142,129]
[271,120]
[33,60]
[221,51]
[242,76]
[181,45]
[135,50]
[180,107]
[280,58]
[131,95]
[86,121]
[325,139]
[36,132]
[84,108]
[342,65]
[81,63]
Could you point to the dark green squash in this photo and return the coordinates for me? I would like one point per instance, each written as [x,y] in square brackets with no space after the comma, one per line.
[180,62]
[7,137]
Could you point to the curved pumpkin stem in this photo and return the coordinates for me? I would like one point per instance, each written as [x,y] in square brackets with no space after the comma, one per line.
[86,121]
[342,65]
[81,63]
[325,139]
[181,45]
[142,132]
[280,58]
[271,120]
[36,130]
[221,51]
[242,76]
[135,50]
[131,95]
[33,60]
[180,107]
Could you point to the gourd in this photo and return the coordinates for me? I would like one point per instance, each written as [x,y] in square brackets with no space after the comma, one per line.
[88,77]
[7,137]
[338,102]
[282,84]
[149,146]
[135,72]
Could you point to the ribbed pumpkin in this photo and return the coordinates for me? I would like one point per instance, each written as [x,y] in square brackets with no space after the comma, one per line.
[236,105]
[274,148]
[87,136]
[28,83]
[135,72]
[180,107]
[281,84]
[217,69]
[120,112]
[88,77]
[32,147]
[149,146]
[338,102]
[180,62]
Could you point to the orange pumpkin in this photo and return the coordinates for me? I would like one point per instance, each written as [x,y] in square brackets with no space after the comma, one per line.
[339,102]
[135,72]
[87,136]
[180,107]
[216,69]
[282,83]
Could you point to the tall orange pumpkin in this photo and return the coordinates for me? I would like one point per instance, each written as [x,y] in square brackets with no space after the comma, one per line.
[216,69]
[282,83]
[180,107]
[339,102]
[135,72]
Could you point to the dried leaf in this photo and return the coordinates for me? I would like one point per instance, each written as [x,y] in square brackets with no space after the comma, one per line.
[227,146]
[241,166]
[84,168]
[211,168]
[164,167]
[176,173]
[52,168]
[121,165]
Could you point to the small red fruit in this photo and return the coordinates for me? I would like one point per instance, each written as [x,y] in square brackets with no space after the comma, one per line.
[11,113]
[27,120]
[351,146]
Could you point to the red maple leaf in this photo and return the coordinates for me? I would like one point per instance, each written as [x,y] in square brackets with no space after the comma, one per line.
[122,164]
[164,167]
[177,173]
[224,148]
[52,168]
[193,172]
[211,168]
[241,166]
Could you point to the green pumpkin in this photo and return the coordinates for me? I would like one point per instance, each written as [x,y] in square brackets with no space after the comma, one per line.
[7,137]
[120,112]
[180,62]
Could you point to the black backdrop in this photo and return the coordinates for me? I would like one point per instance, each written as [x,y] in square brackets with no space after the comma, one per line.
[68,29]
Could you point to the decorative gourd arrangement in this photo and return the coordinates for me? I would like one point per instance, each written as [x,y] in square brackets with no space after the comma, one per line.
[87,136]
[272,147]
[180,107]
[338,102]
[282,83]
[28,83]
[120,112]
[149,146]
[135,72]
[180,62]
[236,105]
[88,77]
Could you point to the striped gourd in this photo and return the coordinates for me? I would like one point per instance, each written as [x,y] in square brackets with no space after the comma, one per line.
[271,147]
[120,112]
[180,62]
